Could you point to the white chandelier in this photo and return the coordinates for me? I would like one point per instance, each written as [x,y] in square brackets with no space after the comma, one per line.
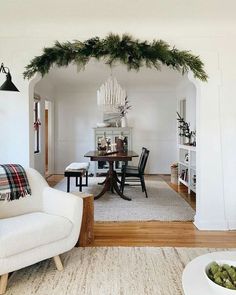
[111,95]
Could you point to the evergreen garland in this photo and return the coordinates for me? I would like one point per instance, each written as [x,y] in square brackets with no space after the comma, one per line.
[113,48]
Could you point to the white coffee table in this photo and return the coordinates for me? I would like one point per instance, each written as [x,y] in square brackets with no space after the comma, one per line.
[193,280]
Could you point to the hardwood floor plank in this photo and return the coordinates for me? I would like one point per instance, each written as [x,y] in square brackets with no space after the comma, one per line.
[158,233]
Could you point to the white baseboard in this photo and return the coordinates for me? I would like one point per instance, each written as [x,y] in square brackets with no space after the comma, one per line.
[211,225]
[232,224]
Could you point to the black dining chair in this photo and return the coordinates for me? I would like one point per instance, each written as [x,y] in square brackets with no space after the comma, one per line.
[140,160]
[132,174]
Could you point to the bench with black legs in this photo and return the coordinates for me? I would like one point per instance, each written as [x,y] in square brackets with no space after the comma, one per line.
[77,170]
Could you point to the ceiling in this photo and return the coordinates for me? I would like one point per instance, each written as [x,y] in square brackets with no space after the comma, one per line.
[60,18]
[95,73]
[60,10]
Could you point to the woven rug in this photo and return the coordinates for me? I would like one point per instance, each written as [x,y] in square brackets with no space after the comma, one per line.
[162,204]
[108,271]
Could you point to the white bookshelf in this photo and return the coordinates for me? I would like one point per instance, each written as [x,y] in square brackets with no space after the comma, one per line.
[187,166]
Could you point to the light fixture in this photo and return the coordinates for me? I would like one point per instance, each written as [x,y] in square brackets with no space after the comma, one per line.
[111,95]
[7,85]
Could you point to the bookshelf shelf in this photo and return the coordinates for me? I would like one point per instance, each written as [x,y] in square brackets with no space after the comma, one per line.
[183,164]
[183,181]
[187,167]
[193,189]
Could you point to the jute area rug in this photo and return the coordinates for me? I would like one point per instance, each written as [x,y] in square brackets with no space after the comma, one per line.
[108,271]
[163,203]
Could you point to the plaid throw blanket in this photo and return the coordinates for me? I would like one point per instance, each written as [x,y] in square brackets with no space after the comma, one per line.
[13,182]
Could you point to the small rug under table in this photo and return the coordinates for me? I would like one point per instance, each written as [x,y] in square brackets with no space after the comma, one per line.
[108,271]
[162,204]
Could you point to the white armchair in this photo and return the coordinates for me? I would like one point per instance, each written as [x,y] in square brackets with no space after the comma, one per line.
[37,227]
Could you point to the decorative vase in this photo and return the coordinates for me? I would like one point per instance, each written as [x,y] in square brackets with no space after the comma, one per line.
[123,122]
[120,145]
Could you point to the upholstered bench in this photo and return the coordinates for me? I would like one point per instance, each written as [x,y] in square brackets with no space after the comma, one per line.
[77,170]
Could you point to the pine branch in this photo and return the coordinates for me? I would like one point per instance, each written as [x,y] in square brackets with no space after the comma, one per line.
[125,49]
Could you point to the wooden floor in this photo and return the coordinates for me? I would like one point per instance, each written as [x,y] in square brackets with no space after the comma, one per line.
[158,233]
[162,234]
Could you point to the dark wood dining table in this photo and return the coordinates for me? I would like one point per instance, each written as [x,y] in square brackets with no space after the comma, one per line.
[112,181]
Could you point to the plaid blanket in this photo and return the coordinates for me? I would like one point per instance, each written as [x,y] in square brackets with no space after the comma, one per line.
[13,182]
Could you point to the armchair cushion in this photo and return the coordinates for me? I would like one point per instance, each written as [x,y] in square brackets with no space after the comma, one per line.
[63,204]
[28,231]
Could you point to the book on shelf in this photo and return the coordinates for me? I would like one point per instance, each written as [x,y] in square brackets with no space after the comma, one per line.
[184,175]
[194,180]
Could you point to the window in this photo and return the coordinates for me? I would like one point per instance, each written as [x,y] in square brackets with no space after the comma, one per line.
[37,125]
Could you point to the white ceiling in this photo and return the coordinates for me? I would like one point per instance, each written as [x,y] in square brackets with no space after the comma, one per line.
[13,11]
[95,73]
[76,18]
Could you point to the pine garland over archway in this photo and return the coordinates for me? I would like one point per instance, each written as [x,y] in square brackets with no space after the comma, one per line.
[128,51]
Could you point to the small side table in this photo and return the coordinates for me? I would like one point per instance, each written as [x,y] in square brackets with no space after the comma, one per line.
[86,237]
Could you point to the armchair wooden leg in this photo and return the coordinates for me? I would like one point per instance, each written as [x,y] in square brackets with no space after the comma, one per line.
[3,283]
[58,262]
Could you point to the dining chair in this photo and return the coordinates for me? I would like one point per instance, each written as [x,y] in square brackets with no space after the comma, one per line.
[140,160]
[135,175]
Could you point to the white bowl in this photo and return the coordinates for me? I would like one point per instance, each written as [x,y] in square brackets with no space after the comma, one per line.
[219,289]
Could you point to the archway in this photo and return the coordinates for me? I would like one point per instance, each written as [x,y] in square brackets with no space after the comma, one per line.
[133,53]
[70,77]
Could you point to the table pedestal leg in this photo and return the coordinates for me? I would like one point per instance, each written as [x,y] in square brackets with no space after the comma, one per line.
[110,184]
[101,183]
[119,192]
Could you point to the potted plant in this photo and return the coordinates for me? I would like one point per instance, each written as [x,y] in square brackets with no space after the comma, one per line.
[123,110]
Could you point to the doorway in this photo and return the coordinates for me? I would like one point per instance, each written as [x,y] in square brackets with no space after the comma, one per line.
[49,138]
[75,118]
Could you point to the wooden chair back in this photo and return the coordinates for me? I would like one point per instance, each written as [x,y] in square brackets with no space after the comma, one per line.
[143,160]
[141,157]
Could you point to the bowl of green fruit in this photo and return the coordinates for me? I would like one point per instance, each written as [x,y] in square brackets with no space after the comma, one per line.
[221,276]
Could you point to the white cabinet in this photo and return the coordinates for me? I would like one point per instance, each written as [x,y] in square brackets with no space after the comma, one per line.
[111,134]
[187,166]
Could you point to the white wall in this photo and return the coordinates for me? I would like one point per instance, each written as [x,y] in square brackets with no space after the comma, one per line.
[14,110]
[75,116]
[14,139]
[208,32]
[16,113]
[228,136]
[152,117]
[187,90]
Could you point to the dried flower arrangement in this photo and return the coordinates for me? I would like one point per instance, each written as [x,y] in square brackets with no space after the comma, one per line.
[123,109]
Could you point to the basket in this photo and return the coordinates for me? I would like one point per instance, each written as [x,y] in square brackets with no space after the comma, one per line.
[174,174]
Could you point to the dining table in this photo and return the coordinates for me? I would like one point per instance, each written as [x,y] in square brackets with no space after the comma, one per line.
[111,182]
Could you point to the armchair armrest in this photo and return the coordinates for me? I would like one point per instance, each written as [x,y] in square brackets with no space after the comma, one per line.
[63,204]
